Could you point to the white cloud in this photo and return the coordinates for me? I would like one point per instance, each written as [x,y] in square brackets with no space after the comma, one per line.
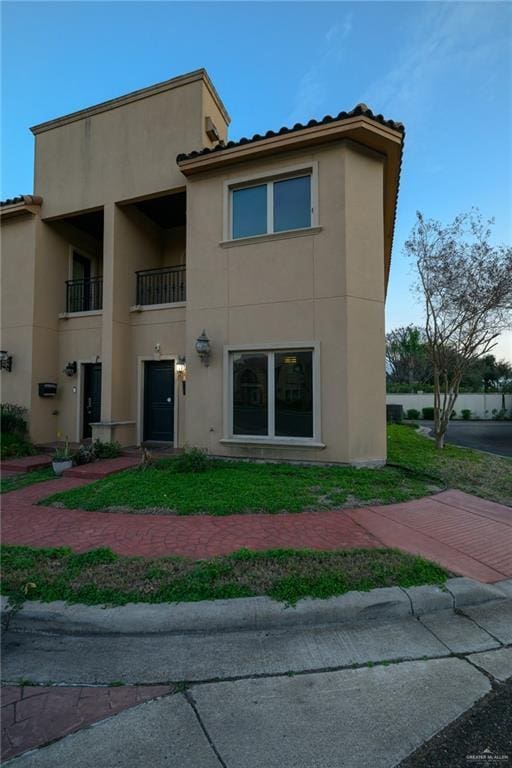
[448,38]
[312,91]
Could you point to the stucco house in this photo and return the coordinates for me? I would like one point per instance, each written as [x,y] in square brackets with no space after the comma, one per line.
[164,284]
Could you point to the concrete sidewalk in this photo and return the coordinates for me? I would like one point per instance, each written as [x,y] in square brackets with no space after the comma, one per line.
[364,692]
[353,718]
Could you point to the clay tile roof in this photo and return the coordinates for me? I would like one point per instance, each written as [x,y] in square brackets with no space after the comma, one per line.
[359,110]
[26,199]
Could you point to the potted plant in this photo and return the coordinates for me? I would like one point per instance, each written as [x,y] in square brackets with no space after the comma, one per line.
[62,459]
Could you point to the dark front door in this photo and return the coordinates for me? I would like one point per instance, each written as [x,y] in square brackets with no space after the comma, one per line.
[92,396]
[159,400]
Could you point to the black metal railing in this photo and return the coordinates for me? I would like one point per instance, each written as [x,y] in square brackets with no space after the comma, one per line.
[84,295]
[161,286]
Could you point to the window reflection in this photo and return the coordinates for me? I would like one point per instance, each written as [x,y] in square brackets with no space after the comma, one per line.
[250,211]
[250,394]
[292,204]
[293,394]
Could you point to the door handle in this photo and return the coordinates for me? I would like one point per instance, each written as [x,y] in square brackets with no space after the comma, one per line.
[169,400]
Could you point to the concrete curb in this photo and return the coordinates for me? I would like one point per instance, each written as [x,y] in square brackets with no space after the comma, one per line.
[253,613]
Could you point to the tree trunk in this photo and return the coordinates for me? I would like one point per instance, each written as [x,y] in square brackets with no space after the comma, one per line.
[439,440]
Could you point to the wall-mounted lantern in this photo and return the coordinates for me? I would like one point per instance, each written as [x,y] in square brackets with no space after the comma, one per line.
[5,361]
[203,348]
[71,368]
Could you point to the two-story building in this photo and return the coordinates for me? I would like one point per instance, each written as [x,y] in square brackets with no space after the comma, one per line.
[181,288]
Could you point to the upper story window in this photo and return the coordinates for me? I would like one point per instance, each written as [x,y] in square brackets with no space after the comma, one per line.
[277,205]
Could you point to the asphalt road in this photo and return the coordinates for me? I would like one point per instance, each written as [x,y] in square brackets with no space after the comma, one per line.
[492,436]
[486,726]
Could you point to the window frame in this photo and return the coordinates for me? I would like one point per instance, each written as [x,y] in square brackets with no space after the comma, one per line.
[258,179]
[270,349]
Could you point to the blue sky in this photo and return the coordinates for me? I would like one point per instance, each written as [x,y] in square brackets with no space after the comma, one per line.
[442,68]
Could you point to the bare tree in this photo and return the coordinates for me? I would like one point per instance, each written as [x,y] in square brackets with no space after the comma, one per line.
[466,286]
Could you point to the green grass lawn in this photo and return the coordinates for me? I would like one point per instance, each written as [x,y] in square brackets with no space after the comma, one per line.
[22,479]
[100,577]
[480,473]
[229,487]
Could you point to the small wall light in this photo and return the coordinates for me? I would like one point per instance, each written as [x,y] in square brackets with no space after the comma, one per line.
[181,370]
[181,366]
[203,348]
[5,361]
[71,368]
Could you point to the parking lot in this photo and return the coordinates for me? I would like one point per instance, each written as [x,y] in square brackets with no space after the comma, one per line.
[492,436]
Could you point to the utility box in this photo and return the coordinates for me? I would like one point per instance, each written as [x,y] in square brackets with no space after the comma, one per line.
[394,413]
[47,389]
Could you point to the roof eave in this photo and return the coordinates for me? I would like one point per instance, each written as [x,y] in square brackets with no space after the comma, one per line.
[29,204]
[362,130]
[141,93]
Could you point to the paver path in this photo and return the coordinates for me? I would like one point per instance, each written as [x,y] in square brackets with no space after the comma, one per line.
[467,535]
[96,470]
[35,715]
[26,463]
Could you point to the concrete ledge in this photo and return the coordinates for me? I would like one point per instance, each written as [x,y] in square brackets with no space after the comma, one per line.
[470,592]
[505,587]
[253,613]
[428,598]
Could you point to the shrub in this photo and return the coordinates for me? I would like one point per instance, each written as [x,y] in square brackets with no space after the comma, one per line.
[14,446]
[13,419]
[191,460]
[84,455]
[499,415]
[413,414]
[466,414]
[108,450]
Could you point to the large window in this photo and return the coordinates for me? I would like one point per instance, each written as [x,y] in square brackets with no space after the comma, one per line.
[275,206]
[273,394]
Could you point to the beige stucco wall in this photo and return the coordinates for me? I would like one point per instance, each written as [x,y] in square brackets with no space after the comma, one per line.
[35,266]
[131,244]
[80,341]
[152,327]
[174,247]
[211,109]
[122,153]
[17,241]
[325,288]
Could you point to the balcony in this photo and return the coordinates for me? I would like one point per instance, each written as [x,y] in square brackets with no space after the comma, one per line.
[161,286]
[84,295]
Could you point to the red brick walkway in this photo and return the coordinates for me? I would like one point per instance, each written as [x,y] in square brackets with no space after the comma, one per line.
[465,534]
[26,463]
[98,469]
[35,715]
